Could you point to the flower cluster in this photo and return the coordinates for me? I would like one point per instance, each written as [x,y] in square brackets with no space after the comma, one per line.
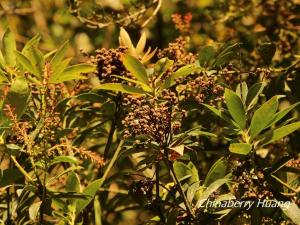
[109,62]
[250,183]
[177,51]
[203,89]
[182,22]
[151,117]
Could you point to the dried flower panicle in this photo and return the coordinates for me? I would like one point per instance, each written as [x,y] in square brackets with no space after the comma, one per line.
[109,63]
[182,22]
[203,89]
[177,51]
[250,183]
[152,118]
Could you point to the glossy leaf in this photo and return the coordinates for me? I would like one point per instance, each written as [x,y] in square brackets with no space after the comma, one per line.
[72,73]
[292,211]
[240,148]
[254,91]
[17,96]
[118,87]
[209,190]
[217,171]
[59,55]
[206,55]
[235,108]
[136,68]
[26,64]
[9,47]
[73,183]
[90,192]
[180,73]
[263,116]
[277,134]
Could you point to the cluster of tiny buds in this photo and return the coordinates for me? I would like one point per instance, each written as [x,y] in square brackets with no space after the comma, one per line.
[109,62]
[250,183]
[203,89]
[177,51]
[182,22]
[152,118]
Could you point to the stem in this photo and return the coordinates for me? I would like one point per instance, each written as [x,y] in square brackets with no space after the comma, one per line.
[8,220]
[157,197]
[27,176]
[180,189]
[109,139]
[112,128]
[43,200]
[113,160]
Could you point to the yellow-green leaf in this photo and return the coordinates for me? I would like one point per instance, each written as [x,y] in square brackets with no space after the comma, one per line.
[235,108]
[9,47]
[240,148]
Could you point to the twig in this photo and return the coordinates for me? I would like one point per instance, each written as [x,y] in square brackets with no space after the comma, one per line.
[27,176]
[159,3]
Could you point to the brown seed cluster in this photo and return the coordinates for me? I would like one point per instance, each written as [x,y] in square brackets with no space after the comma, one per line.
[248,183]
[177,51]
[109,62]
[156,119]
[203,89]
[182,22]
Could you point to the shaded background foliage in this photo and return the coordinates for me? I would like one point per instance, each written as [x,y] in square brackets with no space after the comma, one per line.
[250,24]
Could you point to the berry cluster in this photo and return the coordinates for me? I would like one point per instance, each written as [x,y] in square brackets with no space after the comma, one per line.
[250,183]
[177,51]
[109,62]
[203,89]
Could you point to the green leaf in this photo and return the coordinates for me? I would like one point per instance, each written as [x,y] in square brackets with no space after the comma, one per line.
[59,69]
[209,190]
[90,191]
[64,159]
[136,68]
[293,212]
[206,55]
[274,135]
[263,116]
[120,87]
[242,91]
[141,44]
[32,42]
[37,59]
[224,59]
[17,96]
[240,148]
[97,211]
[34,210]
[218,113]
[26,64]
[283,113]
[9,47]
[73,183]
[162,65]
[267,51]
[253,93]
[217,171]
[180,73]
[72,73]
[190,171]
[144,86]
[124,40]
[59,55]
[192,190]
[235,108]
